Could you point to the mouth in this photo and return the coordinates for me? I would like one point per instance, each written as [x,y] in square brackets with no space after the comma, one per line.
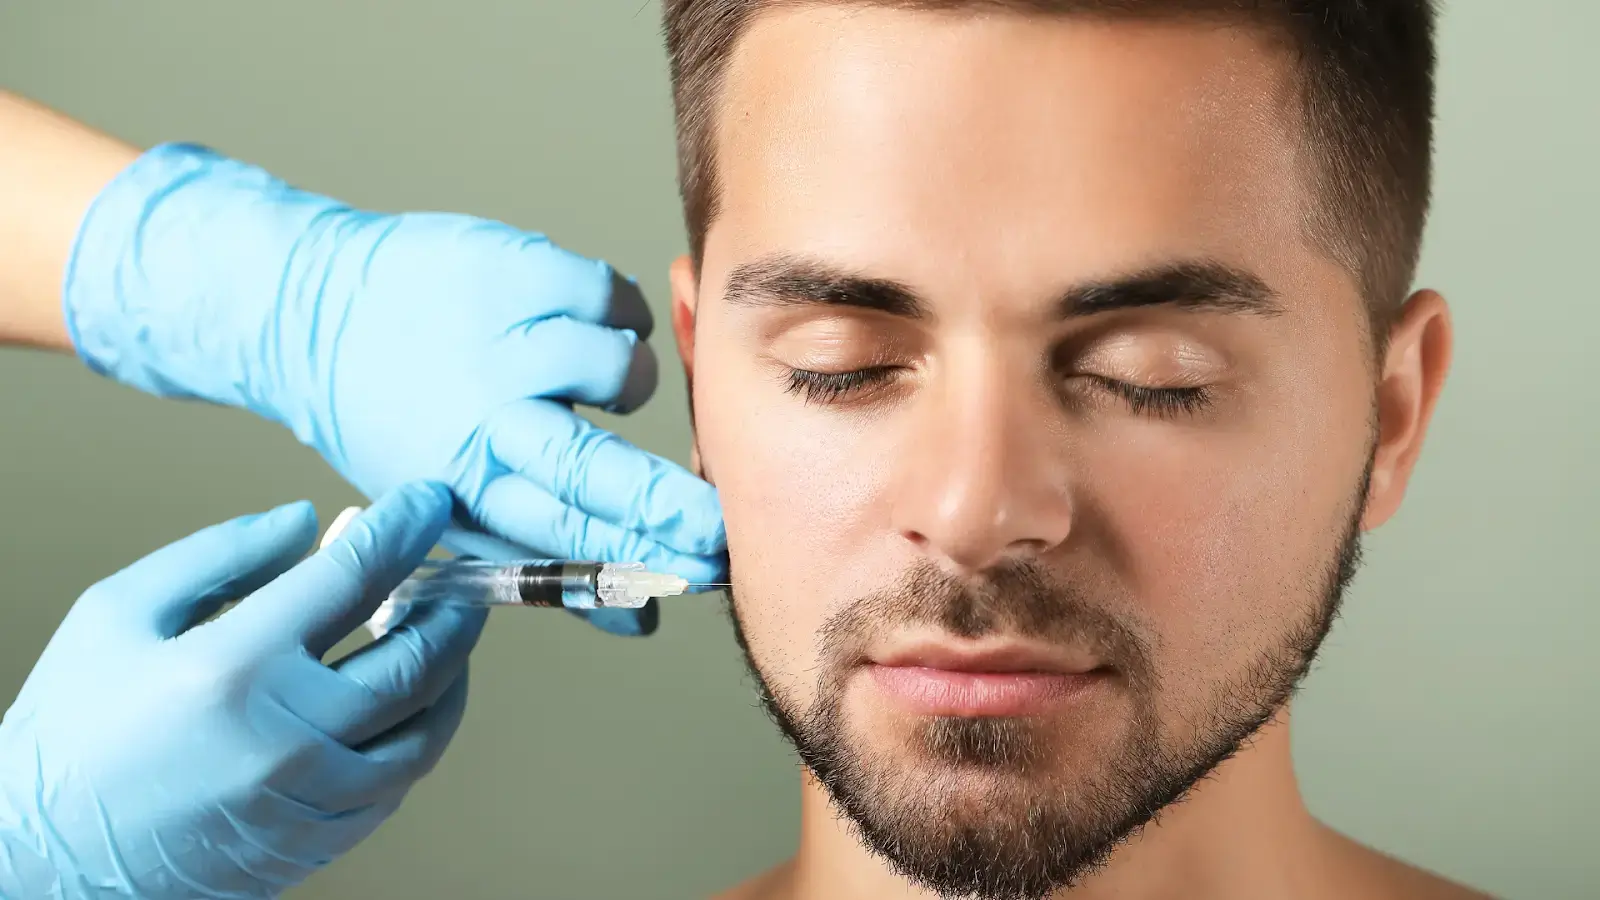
[985,680]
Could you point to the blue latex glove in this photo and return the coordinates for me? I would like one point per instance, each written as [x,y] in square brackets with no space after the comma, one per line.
[146,760]
[399,347]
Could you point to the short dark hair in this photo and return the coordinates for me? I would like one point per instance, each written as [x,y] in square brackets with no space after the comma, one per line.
[1365,87]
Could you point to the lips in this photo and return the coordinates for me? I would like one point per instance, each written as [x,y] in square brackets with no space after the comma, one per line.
[940,679]
[1009,658]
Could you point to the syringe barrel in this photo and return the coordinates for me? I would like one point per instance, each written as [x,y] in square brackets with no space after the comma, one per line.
[573,584]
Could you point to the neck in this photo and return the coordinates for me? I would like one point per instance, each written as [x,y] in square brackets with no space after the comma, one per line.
[1243,833]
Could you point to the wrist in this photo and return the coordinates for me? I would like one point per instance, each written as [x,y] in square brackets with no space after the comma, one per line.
[51,168]
[194,275]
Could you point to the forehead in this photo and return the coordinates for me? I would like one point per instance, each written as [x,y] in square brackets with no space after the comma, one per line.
[955,147]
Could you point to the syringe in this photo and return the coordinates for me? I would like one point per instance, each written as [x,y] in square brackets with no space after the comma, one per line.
[574,584]
[556,583]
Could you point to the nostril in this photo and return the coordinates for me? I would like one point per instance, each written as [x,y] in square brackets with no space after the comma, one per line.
[967,557]
[1029,547]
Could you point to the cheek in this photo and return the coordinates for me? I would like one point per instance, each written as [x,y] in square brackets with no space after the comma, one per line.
[1228,538]
[797,489]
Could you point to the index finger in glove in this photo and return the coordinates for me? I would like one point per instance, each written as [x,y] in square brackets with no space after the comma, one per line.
[329,595]
[591,469]
[184,581]
[565,283]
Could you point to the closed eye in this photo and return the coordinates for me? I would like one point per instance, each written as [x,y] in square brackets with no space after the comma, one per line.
[830,387]
[1160,402]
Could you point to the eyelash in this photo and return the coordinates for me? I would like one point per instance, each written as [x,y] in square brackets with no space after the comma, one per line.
[829,387]
[1162,403]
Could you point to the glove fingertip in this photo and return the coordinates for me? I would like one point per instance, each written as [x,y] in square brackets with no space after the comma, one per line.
[628,307]
[701,532]
[290,525]
[640,381]
[688,513]
[713,538]
[298,509]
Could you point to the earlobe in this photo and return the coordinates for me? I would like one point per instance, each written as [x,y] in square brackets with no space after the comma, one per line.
[1413,374]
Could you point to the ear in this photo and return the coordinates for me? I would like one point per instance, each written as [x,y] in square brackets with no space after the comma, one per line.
[1414,369]
[685,292]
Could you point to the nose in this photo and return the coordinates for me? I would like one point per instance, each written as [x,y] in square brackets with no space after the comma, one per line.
[982,478]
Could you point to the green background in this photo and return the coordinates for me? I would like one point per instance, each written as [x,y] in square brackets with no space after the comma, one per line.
[1455,719]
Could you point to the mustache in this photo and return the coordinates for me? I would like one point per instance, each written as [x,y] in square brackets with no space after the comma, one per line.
[1018,598]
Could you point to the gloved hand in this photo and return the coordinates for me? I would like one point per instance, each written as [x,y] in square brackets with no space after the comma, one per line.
[399,346]
[144,758]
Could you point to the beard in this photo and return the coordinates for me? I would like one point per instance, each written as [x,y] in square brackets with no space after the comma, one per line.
[1022,835]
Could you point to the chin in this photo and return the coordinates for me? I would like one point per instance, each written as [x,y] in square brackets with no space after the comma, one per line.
[990,765]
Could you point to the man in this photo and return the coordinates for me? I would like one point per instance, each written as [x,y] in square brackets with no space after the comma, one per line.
[1050,359]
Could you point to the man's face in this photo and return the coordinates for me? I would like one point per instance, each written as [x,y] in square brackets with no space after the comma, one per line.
[1041,428]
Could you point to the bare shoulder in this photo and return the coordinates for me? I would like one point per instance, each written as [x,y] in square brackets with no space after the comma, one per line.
[1383,877]
[1402,880]
[772,884]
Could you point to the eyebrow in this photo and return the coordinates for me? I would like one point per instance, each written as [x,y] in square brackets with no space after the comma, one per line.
[1192,286]
[781,281]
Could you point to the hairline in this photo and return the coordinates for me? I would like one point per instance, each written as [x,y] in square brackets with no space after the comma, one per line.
[1321,171]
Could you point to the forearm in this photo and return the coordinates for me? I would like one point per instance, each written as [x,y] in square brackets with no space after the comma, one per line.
[167,269]
[51,169]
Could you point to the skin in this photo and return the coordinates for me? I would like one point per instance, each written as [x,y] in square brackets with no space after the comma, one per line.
[990,164]
[51,169]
